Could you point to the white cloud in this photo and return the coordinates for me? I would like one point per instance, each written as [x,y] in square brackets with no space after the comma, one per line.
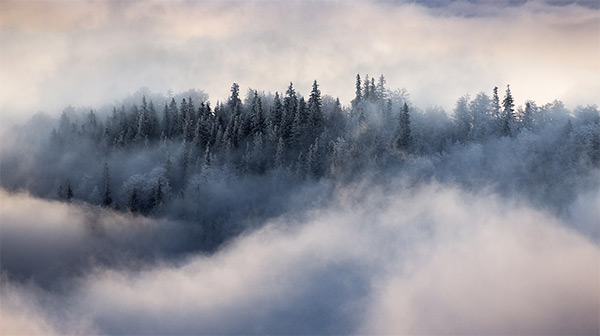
[412,261]
[544,52]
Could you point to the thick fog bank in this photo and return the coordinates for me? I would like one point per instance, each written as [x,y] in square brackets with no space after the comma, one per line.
[431,259]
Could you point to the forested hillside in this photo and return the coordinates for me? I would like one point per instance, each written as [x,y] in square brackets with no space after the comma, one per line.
[226,166]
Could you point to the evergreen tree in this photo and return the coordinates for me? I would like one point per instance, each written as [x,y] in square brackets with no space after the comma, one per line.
[315,111]
[69,194]
[496,104]
[372,90]
[106,196]
[207,159]
[508,117]
[276,112]
[279,153]
[463,119]
[313,164]
[176,125]
[387,114]
[380,90]
[166,122]
[528,115]
[144,126]
[257,118]
[235,103]
[367,88]
[290,105]
[133,201]
[358,92]
[93,125]
[153,130]
[483,122]
[403,133]
[187,114]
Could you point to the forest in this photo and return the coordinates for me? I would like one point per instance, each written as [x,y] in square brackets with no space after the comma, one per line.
[279,213]
[224,168]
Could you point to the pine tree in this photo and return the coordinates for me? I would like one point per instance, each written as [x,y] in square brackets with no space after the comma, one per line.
[366,89]
[528,113]
[315,112]
[508,117]
[166,122]
[159,193]
[106,196]
[372,90]
[463,120]
[257,119]
[496,104]
[403,133]
[290,106]
[69,194]
[313,164]
[358,92]
[153,129]
[187,115]
[276,112]
[235,103]
[176,125]
[133,201]
[387,114]
[207,159]
[144,124]
[380,90]
[279,154]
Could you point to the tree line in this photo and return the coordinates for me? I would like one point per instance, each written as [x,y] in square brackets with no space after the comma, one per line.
[293,137]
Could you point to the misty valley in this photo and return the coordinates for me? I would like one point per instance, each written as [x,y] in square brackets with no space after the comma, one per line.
[289,212]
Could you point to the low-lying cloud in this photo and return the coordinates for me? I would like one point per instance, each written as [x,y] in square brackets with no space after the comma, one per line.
[427,260]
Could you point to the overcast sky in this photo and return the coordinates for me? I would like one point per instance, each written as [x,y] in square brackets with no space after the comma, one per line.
[83,53]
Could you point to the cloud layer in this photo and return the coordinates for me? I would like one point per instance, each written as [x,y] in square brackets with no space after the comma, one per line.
[411,261]
[59,53]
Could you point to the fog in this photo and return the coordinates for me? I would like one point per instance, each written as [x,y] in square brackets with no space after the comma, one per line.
[243,168]
[435,259]
[88,53]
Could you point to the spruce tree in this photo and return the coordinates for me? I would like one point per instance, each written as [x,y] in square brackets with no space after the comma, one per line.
[290,106]
[315,111]
[133,201]
[508,117]
[257,118]
[358,92]
[176,125]
[367,88]
[372,90]
[279,153]
[276,113]
[166,122]
[106,196]
[528,117]
[69,193]
[235,103]
[403,133]
[313,164]
[381,88]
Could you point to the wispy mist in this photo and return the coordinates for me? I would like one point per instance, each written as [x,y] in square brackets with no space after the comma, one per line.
[457,194]
[431,260]
[87,53]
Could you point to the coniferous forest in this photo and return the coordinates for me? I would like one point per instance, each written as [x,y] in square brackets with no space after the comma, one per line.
[153,188]
[406,167]
[222,168]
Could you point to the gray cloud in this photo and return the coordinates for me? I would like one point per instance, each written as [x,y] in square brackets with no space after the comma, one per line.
[412,261]
[56,53]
